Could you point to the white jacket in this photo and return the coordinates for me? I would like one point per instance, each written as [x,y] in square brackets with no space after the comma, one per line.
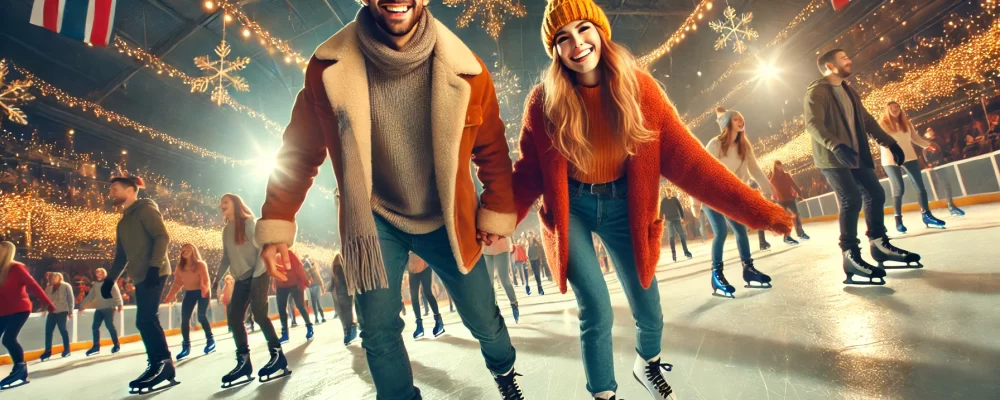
[906,139]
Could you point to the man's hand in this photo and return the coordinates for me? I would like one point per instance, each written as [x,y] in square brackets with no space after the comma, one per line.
[106,287]
[846,155]
[120,308]
[486,237]
[898,156]
[271,254]
[204,294]
[69,315]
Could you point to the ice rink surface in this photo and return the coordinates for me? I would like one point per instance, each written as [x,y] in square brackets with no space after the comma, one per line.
[927,334]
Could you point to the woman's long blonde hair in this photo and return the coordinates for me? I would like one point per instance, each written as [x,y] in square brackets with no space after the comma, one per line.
[7,251]
[566,114]
[182,264]
[898,124]
[726,137]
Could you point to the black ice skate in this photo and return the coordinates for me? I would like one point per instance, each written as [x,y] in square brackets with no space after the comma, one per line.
[507,384]
[242,374]
[18,377]
[855,265]
[274,365]
[751,275]
[157,373]
[720,284]
[883,251]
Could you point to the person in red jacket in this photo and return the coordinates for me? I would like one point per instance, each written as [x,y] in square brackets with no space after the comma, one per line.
[785,193]
[294,286]
[598,134]
[15,307]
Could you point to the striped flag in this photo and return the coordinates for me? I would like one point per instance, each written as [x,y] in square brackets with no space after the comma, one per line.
[89,21]
[838,4]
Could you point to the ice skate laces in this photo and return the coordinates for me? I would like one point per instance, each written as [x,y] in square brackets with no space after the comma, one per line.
[507,384]
[656,378]
[889,248]
[239,365]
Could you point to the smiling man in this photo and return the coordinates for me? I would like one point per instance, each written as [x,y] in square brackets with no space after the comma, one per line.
[402,106]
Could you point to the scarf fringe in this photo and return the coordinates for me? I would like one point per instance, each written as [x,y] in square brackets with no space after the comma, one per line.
[364,268]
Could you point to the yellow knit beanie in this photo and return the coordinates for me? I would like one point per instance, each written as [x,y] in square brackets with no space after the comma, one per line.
[561,12]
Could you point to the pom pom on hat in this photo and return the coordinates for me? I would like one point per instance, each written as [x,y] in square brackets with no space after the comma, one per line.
[139,182]
[723,116]
[558,13]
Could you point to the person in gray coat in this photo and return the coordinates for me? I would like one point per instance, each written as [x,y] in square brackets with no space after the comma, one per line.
[61,294]
[840,126]
[104,313]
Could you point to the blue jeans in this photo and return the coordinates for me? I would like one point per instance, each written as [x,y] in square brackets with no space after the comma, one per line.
[898,188]
[718,222]
[608,218]
[382,327]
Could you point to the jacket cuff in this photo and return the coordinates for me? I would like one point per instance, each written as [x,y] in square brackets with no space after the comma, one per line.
[496,223]
[271,231]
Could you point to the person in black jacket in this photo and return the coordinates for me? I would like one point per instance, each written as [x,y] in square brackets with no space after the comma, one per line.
[672,212]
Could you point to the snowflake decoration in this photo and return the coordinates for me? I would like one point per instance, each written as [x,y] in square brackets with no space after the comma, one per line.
[494,13]
[13,94]
[735,29]
[221,74]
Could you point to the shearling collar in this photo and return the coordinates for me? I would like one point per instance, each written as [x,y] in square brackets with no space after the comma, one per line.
[449,49]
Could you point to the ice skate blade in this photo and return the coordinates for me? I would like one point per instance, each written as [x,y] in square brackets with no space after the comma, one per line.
[269,378]
[936,227]
[724,295]
[241,382]
[761,285]
[913,265]
[14,385]
[439,335]
[142,390]
[871,282]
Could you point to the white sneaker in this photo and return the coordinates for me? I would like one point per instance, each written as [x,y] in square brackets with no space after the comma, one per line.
[648,374]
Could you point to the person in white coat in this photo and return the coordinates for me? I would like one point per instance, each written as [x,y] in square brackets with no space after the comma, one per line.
[897,124]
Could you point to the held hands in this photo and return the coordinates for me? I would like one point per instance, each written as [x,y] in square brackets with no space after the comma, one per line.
[846,155]
[486,237]
[271,254]
[898,156]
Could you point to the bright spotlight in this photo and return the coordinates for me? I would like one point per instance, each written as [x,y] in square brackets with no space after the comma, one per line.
[767,71]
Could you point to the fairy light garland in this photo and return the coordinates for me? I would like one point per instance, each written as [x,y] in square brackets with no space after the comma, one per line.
[67,231]
[162,67]
[267,40]
[65,99]
[690,25]
[972,62]
[692,124]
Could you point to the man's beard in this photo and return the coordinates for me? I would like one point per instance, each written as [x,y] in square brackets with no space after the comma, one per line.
[844,73]
[401,29]
[118,200]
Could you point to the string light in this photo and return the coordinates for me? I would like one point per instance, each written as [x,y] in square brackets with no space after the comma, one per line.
[66,231]
[678,36]
[692,124]
[493,13]
[266,38]
[65,99]
[971,62]
[153,62]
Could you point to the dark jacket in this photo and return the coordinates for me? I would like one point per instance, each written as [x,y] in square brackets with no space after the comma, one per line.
[671,209]
[827,123]
[141,242]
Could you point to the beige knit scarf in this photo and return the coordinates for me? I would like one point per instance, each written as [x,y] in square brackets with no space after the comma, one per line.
[364,267]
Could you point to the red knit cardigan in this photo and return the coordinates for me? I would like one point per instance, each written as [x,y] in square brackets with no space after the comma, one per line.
[675,154]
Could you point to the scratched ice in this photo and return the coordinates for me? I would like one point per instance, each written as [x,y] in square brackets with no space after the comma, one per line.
[927,334]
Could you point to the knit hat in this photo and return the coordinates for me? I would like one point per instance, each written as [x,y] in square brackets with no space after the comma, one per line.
[561,12]
[722,116]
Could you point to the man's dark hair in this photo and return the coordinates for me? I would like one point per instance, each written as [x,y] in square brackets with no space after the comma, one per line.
[828,57]
[129,181]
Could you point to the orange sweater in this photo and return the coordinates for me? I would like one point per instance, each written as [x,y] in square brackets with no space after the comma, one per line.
[608,161]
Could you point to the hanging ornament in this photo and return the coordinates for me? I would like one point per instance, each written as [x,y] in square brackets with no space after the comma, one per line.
[493,13]
[12,95]
[221,74]
[736,29]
